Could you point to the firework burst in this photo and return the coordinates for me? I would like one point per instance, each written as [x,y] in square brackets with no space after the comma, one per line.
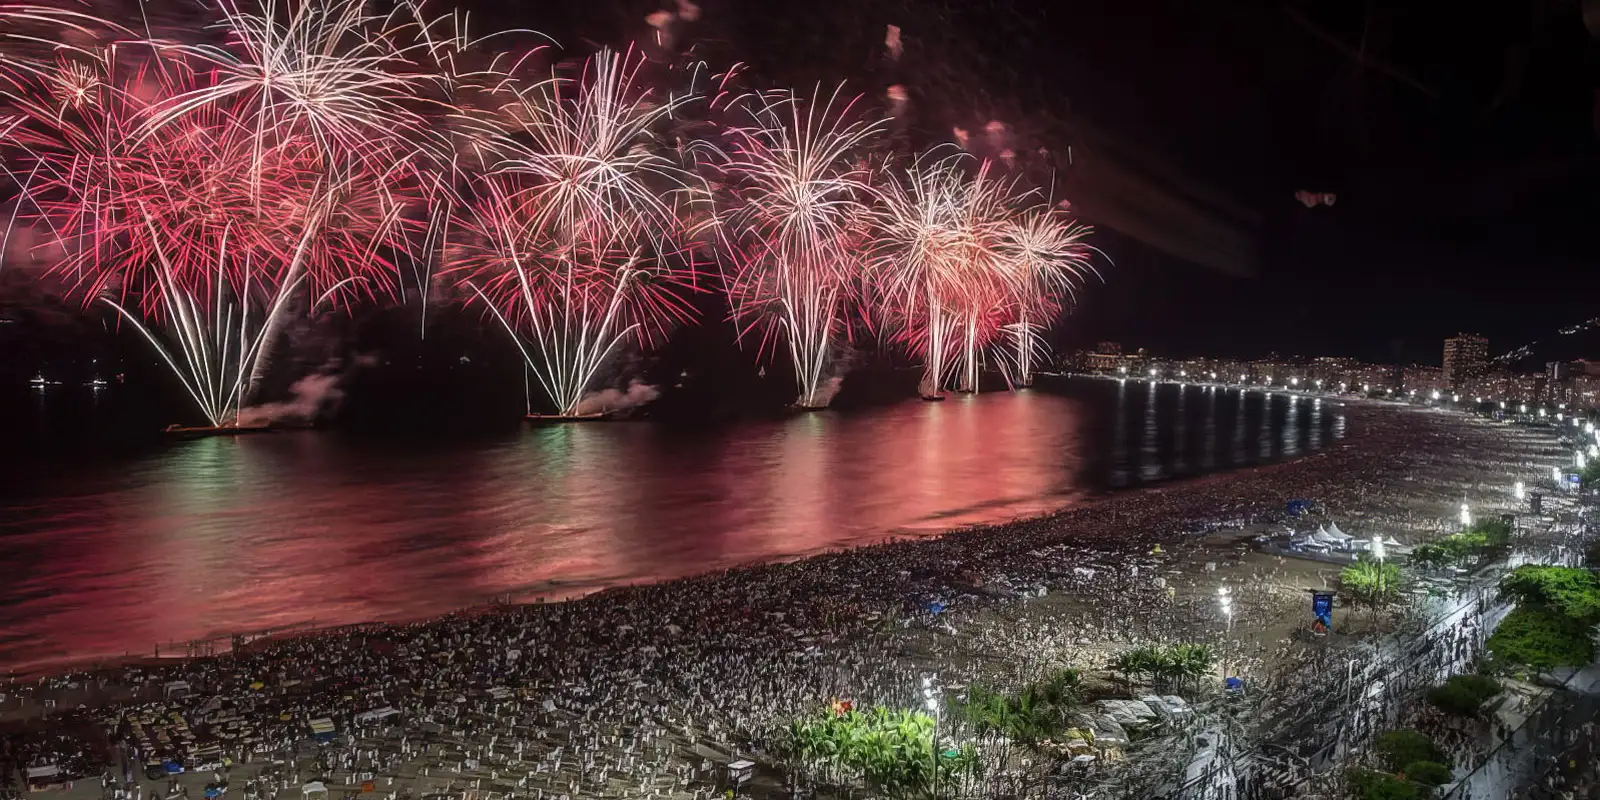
[572,239]
[796,224]
[1048,258]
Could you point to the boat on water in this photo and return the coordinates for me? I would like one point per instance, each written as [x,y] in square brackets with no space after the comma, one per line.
[202,431]
[557,419]
[933,398]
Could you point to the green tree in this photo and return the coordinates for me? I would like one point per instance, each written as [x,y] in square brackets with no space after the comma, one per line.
[1431,556]
[1496,532]
[893,752]
[1397,748]
[1573,591]
[1541,639]
[1463,695]
[1371,582]
[1427,773]
[1370,785]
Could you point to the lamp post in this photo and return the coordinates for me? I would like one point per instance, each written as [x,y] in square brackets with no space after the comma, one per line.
[1226,601]
[1377,552]
[931,702]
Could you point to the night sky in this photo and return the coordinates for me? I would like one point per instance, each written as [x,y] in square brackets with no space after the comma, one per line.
[1461,147]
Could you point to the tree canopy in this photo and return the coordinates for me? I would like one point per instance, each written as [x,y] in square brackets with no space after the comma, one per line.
[1371,582]
[1536,636]
[1570,590]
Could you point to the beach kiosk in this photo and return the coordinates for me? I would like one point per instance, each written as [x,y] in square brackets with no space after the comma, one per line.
[44,777]
[740,772]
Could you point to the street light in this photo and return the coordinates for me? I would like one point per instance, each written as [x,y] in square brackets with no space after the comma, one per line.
[1435,395]
[930,700]
[1152,372]
[1226,602]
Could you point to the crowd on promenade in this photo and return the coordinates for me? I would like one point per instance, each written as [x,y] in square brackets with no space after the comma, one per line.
[651,691]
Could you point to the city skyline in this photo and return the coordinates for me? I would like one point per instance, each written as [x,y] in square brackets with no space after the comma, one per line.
[1465,372]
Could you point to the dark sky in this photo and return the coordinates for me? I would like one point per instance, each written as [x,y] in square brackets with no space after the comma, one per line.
[1460,143]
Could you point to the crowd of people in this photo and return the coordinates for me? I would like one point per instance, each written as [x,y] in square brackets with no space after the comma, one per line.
[652,691]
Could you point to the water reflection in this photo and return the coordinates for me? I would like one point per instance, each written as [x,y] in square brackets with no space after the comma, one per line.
[1234,428]
[218,536]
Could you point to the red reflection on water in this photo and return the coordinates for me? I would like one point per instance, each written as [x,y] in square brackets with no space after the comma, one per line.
[219,536]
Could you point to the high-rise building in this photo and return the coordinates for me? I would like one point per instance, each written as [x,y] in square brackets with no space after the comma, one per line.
[1466,357]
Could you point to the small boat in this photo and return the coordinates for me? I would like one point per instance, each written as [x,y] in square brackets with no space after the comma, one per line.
[97,383]
[37,382]
[202,431]
[933,398]
[557,419]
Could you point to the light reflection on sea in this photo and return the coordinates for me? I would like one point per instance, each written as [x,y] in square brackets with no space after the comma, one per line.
[216,536]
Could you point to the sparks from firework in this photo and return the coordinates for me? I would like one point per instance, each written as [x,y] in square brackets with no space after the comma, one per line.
[327,70]
[1049,258]
[938,263]
[572,240]
[169,228]
[796,224]
[217,345]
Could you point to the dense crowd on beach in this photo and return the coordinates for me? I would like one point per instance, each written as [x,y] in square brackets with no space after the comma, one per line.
[651,691]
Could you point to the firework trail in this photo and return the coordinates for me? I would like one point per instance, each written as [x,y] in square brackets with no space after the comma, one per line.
[572,239]
[201,224]
[939,263]
[796,225]
[211,186]
[1049,259]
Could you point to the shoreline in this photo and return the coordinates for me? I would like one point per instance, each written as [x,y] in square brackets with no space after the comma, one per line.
[703,670]
[220,644]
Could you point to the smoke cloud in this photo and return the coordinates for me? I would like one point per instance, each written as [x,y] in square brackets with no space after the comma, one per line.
[600,402]
[827,390]
[310,396]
